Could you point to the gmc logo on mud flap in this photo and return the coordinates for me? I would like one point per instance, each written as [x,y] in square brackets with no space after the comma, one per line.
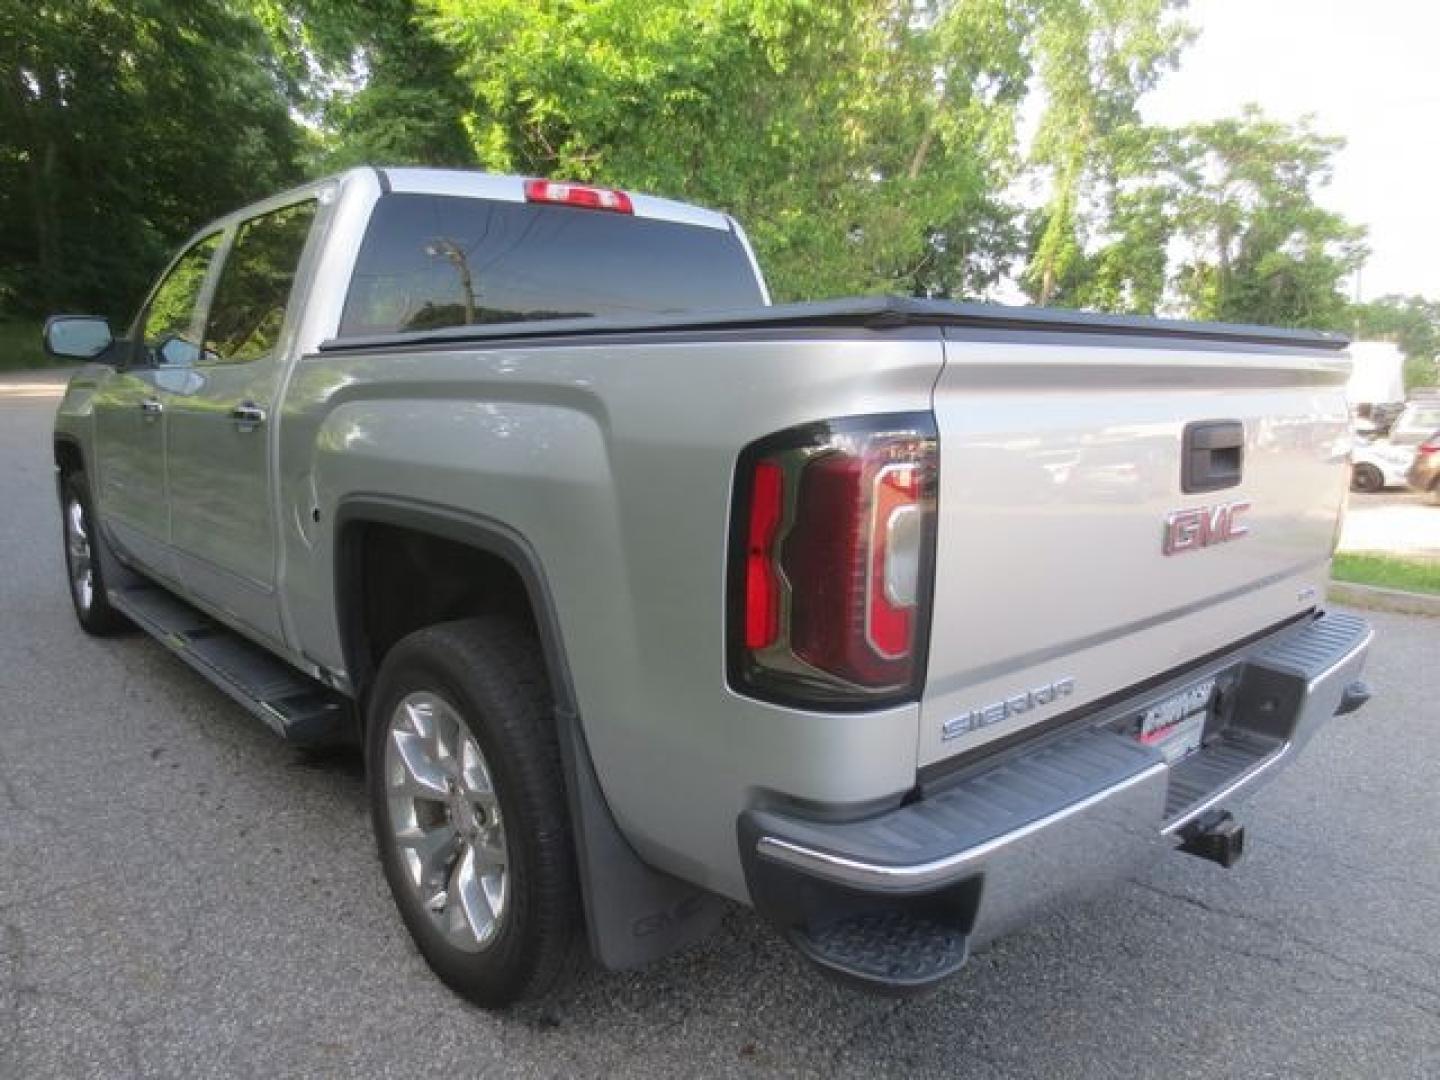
[1204,526]
[665,920]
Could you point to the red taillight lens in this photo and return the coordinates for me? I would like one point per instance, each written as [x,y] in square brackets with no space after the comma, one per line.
[831,588]
[762,584]
[582,195]
[1429,446]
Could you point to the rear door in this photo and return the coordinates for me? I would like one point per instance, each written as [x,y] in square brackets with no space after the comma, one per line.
[130,422]
[1075,561]
[222,512]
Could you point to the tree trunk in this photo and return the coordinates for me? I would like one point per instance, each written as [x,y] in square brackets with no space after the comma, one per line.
[922,151]
[1047,283]
[44,197]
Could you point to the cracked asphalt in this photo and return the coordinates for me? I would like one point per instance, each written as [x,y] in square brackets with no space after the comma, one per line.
[182,895]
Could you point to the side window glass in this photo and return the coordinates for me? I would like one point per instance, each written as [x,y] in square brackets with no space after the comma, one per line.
[170,331]
[248,309]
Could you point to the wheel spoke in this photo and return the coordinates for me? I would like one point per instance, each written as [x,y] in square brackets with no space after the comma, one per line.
[448,740]
[490,850]
[437,725]
[77,522]
[474,901]
[433,849]
[475,777]
[420,775]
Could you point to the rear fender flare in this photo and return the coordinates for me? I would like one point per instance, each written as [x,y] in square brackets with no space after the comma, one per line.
[634,914]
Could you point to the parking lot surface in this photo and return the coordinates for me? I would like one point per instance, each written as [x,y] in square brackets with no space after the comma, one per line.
[1393,522]
[182,895]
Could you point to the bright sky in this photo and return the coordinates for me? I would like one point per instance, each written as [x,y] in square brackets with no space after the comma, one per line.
[1370,72]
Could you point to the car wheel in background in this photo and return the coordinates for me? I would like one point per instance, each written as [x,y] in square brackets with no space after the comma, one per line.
[1366,477]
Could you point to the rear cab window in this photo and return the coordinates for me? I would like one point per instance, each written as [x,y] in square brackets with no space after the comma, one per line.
[431,261]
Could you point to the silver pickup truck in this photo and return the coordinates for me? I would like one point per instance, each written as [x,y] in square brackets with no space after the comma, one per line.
[899,621]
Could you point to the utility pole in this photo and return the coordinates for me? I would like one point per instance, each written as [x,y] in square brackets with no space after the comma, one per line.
[457,258]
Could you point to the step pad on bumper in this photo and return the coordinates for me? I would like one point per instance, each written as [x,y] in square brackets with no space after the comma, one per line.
[895,951]
[1204,778]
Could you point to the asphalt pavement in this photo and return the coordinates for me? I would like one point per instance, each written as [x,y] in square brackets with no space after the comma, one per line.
[182,895]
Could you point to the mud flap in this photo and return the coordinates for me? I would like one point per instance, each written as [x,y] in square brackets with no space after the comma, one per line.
[634,914]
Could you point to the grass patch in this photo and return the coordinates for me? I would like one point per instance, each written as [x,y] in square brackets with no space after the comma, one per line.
[20,347]
[1388,572]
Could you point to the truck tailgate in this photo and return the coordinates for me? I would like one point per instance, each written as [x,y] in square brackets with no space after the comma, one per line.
[1061,462]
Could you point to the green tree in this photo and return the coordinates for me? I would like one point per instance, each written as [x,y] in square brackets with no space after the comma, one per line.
[122,128]
[373,84]
[1095,58]
[1261,249]
[865,143]
[1217,221]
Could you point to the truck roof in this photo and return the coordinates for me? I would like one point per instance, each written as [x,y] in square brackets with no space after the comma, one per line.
[472,183]
[469,183]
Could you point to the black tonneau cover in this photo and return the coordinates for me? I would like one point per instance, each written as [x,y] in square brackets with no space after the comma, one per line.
[866,312]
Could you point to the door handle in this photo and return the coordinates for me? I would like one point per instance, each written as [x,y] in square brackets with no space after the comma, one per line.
[151,407]
[247,416]
[1214,455]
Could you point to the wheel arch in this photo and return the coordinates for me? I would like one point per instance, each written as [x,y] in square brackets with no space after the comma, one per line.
[634,914]
[480,534]
[69,454]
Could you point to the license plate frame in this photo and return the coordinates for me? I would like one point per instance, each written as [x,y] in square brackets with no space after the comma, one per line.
[1175,725]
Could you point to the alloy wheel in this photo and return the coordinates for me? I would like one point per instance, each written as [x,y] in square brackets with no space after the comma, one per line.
[78,555]
[446,820]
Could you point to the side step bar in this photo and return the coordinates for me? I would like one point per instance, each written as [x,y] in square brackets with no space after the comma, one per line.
[296,707]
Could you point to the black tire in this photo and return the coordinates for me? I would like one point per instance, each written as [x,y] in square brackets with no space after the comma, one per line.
[490,671]
[1366,477]
[96,616]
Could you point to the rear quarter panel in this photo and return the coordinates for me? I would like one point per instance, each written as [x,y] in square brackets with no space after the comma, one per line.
[614,461]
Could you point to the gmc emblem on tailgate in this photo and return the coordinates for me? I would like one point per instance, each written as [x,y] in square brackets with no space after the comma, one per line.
[1204,526]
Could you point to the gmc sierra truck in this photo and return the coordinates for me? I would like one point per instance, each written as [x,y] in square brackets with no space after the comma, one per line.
[900,621]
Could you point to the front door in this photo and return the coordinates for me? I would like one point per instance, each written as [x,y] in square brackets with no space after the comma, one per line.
[220,427]
[129,409]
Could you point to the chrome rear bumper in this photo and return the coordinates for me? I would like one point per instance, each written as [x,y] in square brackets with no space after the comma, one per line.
[1049,823]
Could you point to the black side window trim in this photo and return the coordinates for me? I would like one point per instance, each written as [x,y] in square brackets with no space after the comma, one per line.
[222,260]
[135,349]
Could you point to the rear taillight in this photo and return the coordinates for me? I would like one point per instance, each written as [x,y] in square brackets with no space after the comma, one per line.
[1429,446]
[582,195]
[832,553]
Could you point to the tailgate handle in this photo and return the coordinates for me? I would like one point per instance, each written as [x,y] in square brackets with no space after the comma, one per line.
[1214,455]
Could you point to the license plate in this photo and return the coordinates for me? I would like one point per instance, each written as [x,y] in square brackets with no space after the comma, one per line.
[1176,725]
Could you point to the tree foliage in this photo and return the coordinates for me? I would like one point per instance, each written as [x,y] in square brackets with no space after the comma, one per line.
[1095,59]
[867,145]
[123,126]
[373,84]
[1262,249]
[1219,221]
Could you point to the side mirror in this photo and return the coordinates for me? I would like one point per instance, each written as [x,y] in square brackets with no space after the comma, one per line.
[77,337]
